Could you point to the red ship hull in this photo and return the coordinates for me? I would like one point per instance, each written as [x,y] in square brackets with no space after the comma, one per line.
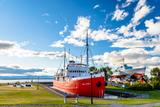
[82,86]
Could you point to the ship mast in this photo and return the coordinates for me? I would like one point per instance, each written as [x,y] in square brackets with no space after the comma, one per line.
[81,59]
[64,59]
[87,49]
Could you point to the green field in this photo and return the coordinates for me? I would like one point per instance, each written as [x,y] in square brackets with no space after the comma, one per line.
[13,95]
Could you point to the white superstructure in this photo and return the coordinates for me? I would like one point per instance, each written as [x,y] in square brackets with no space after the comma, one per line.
[76,70]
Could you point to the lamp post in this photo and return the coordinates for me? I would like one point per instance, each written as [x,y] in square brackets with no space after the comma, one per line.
[91,88]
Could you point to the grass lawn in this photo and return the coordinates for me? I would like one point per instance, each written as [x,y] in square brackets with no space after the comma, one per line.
[154,96]
[13,95]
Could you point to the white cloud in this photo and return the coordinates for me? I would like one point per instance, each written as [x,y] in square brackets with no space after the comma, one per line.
[134,56]
[128,43]
[140,13]
[10,74]
[152,61]
[7,45]
[44,72]
[64,30]
[14,49]
[135,43]
[21,71]
[125,30]
[81,28]
[138,34]
[96,6]
[140,4]
[77,35]
[134,53]
[58,44]
[102,34]
[141,10]
[127,3]
[155,51]
[119,14]
[153,28]
[73,41]
[158,17]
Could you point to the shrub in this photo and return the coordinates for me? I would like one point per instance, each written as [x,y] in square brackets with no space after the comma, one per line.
[155,82]
[141,87]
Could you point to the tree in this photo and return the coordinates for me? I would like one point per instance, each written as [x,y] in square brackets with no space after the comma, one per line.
[92,69]
[107,72]
[155,79]
[155,72]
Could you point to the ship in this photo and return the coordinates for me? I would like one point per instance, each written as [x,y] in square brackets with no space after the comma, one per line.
[75,78]
[128,73]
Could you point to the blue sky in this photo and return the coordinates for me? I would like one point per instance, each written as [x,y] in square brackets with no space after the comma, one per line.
[33,33]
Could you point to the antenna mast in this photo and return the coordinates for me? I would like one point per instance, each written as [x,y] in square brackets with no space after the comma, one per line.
[69,56]
[64,58]
[81,59]
[87,49]
[123,61]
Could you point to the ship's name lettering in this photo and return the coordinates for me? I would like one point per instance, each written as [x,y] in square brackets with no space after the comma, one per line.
[86,83]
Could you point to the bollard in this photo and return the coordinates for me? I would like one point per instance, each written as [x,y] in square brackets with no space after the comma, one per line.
[76,99]
[65,98]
